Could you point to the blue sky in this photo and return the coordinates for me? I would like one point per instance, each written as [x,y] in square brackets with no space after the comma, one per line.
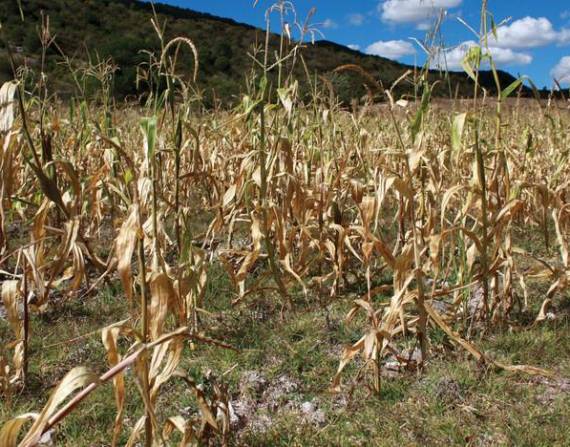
[534,41]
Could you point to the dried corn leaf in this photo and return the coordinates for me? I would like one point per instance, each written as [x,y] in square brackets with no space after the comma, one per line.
[124,247]
[74,380]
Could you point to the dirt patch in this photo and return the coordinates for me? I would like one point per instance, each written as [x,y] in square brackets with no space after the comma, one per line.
[554,389]
[261,401]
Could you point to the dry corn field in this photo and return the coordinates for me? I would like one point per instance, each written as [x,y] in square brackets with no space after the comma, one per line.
[411,234]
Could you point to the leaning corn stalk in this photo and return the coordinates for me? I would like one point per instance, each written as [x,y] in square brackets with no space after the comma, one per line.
[79,383]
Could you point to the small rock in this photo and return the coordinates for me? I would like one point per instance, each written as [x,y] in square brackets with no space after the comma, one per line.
[240,411]
[313,414]
[408,359]
[412,356]
[47,439]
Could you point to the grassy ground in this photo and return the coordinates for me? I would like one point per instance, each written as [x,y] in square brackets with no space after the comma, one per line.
[454,401]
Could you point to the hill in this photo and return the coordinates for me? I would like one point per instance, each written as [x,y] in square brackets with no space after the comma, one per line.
[120,29]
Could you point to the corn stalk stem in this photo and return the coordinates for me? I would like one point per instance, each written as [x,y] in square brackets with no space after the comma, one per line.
[263,203]
[144,332]
[484,222]
[26,325]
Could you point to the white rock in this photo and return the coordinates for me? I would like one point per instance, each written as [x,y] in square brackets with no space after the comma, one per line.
[47,439]
[307,407]
[314,415]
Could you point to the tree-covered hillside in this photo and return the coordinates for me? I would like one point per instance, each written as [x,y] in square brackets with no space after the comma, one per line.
[119,30]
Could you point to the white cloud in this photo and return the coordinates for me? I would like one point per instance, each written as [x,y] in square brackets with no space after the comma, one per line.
[565,14]
[392,49]
[501,56]
[564,36]
[354,47]
[413,11]
[561,72]
[529,32]
[356,19]
[329,24]
[424,26]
